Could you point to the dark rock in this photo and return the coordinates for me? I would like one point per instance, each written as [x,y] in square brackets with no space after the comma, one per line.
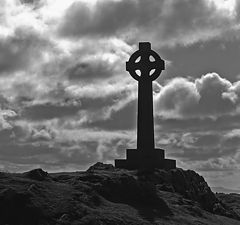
[187,183]
[219,209]
[17,208]
[165,187]
[194,210]
[124,188]
[37,174]
[32,188]
[231,204]
[193,186]
[101,166]
[105,195]
[64,219]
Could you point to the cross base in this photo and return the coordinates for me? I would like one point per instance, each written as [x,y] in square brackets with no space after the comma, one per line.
[136,159]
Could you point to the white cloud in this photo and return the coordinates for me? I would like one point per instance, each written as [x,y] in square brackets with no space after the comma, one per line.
[208,96]
[227,6]
[177,97]
[4,116]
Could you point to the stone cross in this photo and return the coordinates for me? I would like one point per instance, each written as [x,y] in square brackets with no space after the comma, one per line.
[145,126]
[145,66]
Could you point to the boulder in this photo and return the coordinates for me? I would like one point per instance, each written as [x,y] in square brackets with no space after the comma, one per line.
[37,174]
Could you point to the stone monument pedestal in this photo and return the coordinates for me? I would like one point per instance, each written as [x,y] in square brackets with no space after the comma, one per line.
[137,159]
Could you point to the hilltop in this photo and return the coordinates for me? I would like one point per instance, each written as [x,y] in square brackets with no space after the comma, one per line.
[104,195]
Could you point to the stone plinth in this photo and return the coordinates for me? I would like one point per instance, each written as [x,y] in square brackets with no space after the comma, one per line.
[137,159]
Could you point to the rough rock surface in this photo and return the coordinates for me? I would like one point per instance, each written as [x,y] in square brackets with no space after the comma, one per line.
[37,174]
[104,195]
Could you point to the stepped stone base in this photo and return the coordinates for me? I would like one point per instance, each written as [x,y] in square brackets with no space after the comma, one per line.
[136,159]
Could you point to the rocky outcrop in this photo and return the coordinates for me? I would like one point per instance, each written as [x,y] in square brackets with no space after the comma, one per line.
[187,183]
[231,201]
[131,185]
[106,195]
[37,174]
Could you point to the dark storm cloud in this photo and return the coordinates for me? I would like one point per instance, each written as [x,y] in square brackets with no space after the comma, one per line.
[229,165]
[233,140]
[6,136]
[4,103]
[220,56]
[42,146]
[20,50]
[123,119]
[238,9]
[207,140]
[107,18]
[27,1]
[98,103]
[226,122]
[35,145]
[213,150]
[181,21]
[35,3]
[8,151]
[201,154]
[49,111]
[111,99]
[62,106]
[17,134]
[198,146]
[90,70]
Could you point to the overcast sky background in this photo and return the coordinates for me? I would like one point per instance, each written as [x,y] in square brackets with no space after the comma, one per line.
[67,102]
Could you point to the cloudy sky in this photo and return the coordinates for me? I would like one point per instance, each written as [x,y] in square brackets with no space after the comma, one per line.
[67,102]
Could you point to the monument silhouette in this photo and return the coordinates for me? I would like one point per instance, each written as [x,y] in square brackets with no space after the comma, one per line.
[149,66]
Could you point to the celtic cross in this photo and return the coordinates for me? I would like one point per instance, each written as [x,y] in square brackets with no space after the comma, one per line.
[149,70]
[145,66]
